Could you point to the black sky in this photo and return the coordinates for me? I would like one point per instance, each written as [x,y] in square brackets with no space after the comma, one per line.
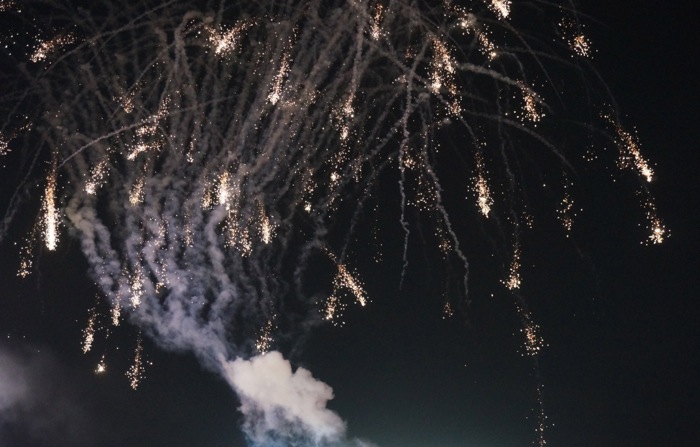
[621,319]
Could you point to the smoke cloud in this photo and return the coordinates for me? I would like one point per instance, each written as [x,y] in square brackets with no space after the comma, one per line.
[37,404]
[282,406]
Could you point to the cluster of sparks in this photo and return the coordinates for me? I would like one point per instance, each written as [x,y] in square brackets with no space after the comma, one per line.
[531,105]
[442,76]
[630,153]
[631,158]
[566,213]
[136,371]
[225,42]
[265,339]
[376,24]
[514,279]
[6,5]
[484,200]
[500,7]
[346,281]
[48,47]
[4,146]
[470,24]
[51,216]
[579,43]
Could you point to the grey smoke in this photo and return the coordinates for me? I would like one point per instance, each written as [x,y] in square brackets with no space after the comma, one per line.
[37,404]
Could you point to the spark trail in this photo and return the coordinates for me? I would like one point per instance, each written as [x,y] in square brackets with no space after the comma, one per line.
[203,153]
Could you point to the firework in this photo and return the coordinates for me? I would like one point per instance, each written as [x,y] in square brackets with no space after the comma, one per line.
[204,158]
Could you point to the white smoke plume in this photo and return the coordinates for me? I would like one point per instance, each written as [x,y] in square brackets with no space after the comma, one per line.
[281,406]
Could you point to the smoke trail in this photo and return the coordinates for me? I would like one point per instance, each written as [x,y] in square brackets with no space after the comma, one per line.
[205,153]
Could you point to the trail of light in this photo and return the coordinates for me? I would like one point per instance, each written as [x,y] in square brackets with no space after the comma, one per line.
[51,217]
[278,82]
[630,153]
[344,279]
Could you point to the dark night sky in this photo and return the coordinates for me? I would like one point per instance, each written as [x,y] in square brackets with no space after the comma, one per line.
[621,319]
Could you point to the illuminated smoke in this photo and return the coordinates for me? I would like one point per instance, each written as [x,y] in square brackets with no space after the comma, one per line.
[282,406]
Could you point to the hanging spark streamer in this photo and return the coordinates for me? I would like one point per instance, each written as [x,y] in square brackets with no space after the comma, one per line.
[204,154]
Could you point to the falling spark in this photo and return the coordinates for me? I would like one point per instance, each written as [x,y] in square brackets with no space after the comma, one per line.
[484,200]
[565,212]
[579,43]
[375,27]
[226,42]
[116,312]
[531,103]
[267,228]
[533,341]
[26,256]
[51,213]
[658,231]
[333,309]
[136,287]
[264,342]
[469,23]
[101,366]
[4,146]
[136,194]
[223,192]
[45,48]
[89,331]
[343,279]
[278,82]
[500,7]
[127,101]
[630,153]
[135,373]
[97,176]
[447,311]
[513,281]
